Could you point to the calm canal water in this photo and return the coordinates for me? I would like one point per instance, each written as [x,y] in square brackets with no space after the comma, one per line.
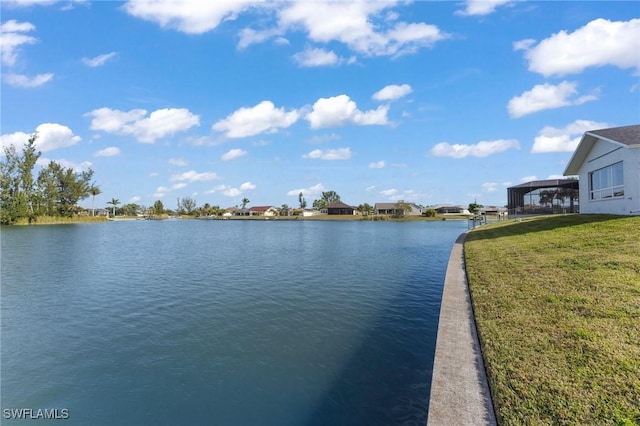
[222,322]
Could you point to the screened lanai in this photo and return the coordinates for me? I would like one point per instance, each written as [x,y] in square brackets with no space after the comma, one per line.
[544,197]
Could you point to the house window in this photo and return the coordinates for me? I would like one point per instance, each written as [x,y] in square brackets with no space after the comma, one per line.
[607,182]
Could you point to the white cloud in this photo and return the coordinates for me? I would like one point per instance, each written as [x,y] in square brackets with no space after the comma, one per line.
[17,140]
[481,7]
[406,194]
[264,117]
[528,178]
[523,44]
[161,191]
[249,36]
[246,186]
[316,139]
[76,167]
[490,186]
[20,80]
[358,24]
[134,199]
[230,191]
[556,177]
[232,154]
[181,162]
[547,96]
[599,43]
[312,191]
[377,165]
[193,176]
[340,110]
[481,149]
[363,26]
[207,140]
[99,60]
[313,57]
[12,37]
[27,3]
[370,188]
[51,136]
[159,124]
[329,154]
[392,92]
[551,139]
[108,152]
[188,16]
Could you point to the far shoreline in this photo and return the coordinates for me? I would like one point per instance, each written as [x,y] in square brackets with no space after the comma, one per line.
[48,220]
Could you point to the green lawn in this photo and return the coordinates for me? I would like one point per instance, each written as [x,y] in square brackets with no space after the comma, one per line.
[557,304]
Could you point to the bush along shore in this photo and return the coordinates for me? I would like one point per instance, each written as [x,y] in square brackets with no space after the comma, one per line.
[557,306]
[57,220]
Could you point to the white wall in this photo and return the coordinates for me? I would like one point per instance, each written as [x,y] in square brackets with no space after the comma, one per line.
[601,156]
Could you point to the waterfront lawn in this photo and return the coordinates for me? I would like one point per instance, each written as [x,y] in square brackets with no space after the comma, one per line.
[557,305]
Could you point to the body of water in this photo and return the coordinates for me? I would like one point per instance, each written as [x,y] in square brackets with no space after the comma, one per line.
[222,322]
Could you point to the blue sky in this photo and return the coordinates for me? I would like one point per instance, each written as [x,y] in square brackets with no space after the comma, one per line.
[429,102]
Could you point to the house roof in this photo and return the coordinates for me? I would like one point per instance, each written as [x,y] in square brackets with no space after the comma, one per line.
[385,206]
[259,208]
[338,205]
[391,206]
[624,137]
[547,183]
[627,135]
[440,206]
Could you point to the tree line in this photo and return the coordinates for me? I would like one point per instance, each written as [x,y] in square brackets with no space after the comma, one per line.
[55,191]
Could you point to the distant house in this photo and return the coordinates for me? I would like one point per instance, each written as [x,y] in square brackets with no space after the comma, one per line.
[263,211]
[339,208]
[392,209]
[384,208]
[450,209]
[308,212]
[494,210]
[231,211]
[607,162]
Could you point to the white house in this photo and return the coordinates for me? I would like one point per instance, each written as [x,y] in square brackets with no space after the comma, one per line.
[450,209]
[607,162]
[392,208]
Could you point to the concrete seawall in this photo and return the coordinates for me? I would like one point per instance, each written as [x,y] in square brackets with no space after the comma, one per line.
[459,388]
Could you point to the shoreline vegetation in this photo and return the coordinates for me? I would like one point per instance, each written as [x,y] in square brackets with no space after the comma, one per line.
[557,307]
[59,220]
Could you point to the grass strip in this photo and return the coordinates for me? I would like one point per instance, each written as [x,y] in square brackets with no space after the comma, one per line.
[557,305]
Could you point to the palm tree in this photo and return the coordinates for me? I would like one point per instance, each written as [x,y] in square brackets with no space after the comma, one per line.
[94,190]
[245,201]
[114,202]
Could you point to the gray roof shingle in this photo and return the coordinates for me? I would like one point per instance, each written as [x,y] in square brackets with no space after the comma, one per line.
[627,135]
